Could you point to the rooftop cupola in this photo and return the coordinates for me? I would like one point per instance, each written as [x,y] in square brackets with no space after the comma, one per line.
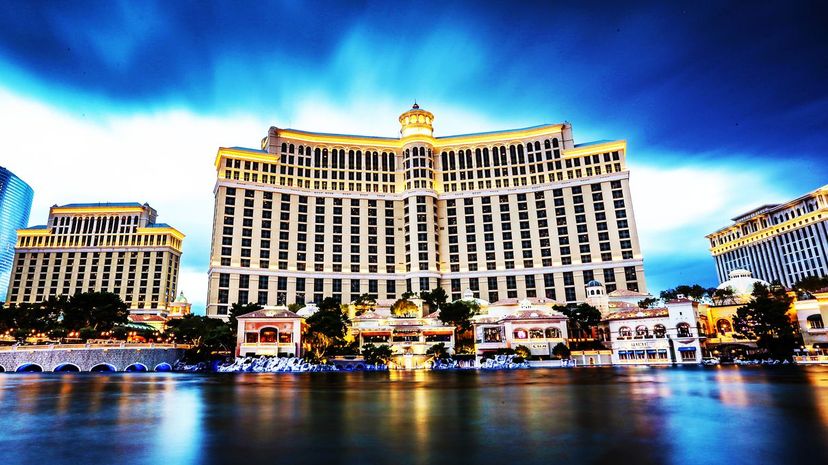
[416,122]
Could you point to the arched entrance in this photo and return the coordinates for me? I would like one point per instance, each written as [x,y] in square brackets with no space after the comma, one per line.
[29,368]
[103,368]
[67,368]
[163,367]
[136,368]
[268,335]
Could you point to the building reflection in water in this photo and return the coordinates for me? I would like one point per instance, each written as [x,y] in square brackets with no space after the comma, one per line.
[595,415]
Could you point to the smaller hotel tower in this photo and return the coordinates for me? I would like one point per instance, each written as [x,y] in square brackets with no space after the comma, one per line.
[102,247]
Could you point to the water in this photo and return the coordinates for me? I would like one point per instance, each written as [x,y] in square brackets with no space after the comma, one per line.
[721,415]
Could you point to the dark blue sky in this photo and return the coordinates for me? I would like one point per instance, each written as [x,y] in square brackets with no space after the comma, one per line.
[704,85]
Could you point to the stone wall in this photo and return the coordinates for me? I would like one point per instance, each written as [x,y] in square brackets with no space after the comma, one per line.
[117,358]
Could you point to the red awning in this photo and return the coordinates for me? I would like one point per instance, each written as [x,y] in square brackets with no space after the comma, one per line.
[376,333]
[437,333]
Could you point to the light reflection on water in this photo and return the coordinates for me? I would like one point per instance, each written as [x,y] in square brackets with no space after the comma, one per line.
[723,415]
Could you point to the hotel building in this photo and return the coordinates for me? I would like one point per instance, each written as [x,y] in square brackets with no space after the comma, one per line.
[15,206]
[784,242]
[111,247]
[508,214]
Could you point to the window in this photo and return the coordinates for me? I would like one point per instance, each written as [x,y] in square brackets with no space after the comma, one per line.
[553,333]
[723,326]
[624,332]
[659,330]
[683,330]
[521,333]
[815,322]
[492,335]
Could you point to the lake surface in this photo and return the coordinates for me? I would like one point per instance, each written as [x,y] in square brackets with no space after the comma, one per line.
[716,415]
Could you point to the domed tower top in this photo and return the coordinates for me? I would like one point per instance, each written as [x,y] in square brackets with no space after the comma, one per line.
[416,122]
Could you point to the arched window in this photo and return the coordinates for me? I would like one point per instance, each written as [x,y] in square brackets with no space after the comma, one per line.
[535,333]
[683,330]
[269,335]
[520,333]
[659,330]
[555,333]
[642,331]
[723,326]
[815,322]
[625,331]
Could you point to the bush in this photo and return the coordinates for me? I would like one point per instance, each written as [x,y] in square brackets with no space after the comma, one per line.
[518,359]
[561,351]
[523,352]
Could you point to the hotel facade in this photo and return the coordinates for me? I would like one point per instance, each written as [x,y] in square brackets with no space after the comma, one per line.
[508,214]
[784,242]
[101,247]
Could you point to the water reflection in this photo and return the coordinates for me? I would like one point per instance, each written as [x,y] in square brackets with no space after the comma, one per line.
[706,415]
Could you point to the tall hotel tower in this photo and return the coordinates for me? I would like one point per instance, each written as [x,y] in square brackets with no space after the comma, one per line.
[15,205]
[785,242]
[508,214]
[112,247]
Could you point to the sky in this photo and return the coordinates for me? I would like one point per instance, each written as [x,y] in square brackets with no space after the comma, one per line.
[724,106]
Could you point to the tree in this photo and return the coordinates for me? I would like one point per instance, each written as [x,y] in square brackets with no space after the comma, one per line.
[206,335]
[581,318]
[238,309]
[724,296]
[100,311]
[691,291]
[325,327]
[765,319]
[811,284]
[295,307]
[435,299]
[647,303]
[438,352]
[404,308]
[376,355]
[458,314]
[561,351]
[523,352]
[364,303]
[408,295]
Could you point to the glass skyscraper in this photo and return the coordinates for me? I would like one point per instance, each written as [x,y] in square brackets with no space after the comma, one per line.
[15,205]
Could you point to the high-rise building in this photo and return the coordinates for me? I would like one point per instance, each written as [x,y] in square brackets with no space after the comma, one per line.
[784,242]
[15,206]
[112,247]
[508,214]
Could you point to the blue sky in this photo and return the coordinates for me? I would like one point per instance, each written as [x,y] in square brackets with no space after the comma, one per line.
[724,105]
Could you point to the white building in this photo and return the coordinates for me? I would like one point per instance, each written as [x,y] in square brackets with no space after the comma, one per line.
[507,324]
[656,336]
[269,331]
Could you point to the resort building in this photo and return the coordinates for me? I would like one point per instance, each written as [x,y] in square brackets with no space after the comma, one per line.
[409,336]
[111,247]
[812,312]
[654,336]
[784,242]
[269,331]
[509,323]
[511,214]
[15,205]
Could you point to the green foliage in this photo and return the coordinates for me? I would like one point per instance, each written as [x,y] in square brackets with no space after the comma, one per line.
[98,310]
[647,303]
[582,318]
[238,309]
[811,284]
[326,328]
[404,308]
[561,351]
[438,351]
[364,303]
[523,352]
[295,307]
[207,335]
[56,316]
[435,299]
[691,291]
[376,355]
[408,295]
[765,319]
[723,296]
[458,314]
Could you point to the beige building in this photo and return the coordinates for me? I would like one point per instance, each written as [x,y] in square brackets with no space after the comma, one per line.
[508,214]
[784,242]
[112,247]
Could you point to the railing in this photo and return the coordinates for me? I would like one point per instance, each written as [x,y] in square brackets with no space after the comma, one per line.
[116,345]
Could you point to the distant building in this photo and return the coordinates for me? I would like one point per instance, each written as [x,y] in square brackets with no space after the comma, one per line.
[180,307]
[511,214]
[784,242]
[812,312]
[15,206]
[112,247]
